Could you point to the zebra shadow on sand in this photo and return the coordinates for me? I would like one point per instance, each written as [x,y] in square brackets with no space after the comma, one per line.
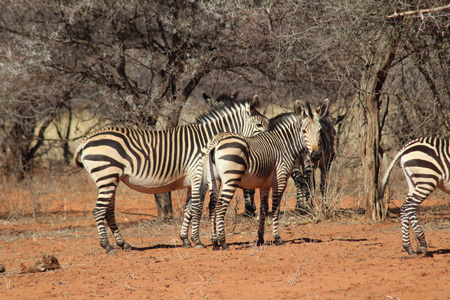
[247,244]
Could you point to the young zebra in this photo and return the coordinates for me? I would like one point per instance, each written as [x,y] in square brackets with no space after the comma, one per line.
[264,161]
[156,161]
[303,173]
[426,165]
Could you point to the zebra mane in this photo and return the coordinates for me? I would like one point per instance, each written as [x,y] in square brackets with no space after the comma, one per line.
[328,132]
[220,111]
[288,118]
[281,120]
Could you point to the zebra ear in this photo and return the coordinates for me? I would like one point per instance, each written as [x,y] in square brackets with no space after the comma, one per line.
[208,99]
[253,104]
[308,110]
[299,108]
[322,110]
[235,95]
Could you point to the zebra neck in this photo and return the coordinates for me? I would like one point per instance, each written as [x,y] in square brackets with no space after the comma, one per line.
[217,126]
[291,141]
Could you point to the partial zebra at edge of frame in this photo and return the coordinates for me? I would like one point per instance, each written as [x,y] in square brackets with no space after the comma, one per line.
[426,166]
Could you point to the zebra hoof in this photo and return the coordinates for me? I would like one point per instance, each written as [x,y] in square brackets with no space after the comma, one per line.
[126,247]
[423,249]
[410,251]
[186,243]
[108,247]
[199,246]
[279,242]
[225,247]
[111,251]
[216,247]
[260,243]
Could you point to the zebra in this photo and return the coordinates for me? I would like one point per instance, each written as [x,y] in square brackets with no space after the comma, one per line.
[426,166]
[303,173]
[156,161]
[264,161]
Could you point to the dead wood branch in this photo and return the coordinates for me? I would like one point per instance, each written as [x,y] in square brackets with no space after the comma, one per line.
[420,11]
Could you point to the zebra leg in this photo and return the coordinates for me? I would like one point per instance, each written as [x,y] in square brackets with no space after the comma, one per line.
[221,209]
[323,187]
[250,207]
[187,217]
[263,213]
[408,215]
[302,186]
[212,213]
[111,220]
[196,214]
[276,199]
[106,193]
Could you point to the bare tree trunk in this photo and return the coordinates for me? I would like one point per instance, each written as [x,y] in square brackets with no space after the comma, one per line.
[369,128]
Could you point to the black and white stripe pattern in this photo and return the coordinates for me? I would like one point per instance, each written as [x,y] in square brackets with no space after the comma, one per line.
[264,161]
[156,161]
[426,166]
[303,173]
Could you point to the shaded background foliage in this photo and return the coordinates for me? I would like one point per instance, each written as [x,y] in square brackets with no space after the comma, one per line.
[65,64]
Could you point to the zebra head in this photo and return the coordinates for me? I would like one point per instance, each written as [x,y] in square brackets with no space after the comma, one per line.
[310,126]
[256,122]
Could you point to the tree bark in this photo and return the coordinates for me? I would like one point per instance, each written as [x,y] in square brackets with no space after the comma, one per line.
[369,128]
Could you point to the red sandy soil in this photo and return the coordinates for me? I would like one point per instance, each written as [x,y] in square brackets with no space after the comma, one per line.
[347,257]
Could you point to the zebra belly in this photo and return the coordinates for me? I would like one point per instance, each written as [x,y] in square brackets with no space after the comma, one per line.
[155,186]
[250,182]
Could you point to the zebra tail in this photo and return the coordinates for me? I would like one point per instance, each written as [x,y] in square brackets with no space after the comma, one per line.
[209,168]
[76,157]
[207,163]
[385,179]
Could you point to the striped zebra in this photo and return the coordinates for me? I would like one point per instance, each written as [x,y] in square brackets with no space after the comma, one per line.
[156,161]
[303,173]
[426,165]
[264,161]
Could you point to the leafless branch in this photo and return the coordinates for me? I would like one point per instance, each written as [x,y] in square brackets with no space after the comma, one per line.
[419,11]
